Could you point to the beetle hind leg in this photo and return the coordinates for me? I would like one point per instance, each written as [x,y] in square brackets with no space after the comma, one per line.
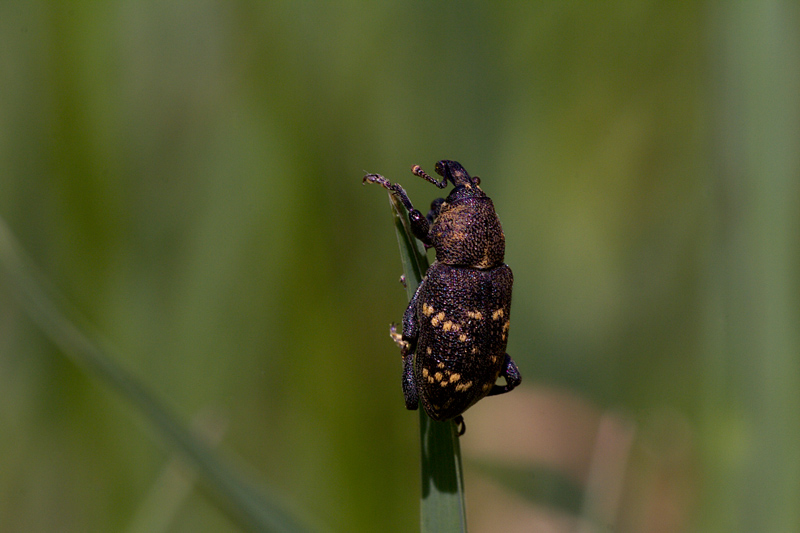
[512,376]
[460,425]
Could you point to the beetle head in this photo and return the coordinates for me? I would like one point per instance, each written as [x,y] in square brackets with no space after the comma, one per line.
[464,185]
[453,172]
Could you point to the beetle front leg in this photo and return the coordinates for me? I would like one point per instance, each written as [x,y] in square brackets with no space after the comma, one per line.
[512,376]
[436,206]
[419,224]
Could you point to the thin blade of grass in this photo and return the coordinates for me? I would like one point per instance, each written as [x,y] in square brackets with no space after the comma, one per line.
[751,394]
[247,505]
[442,505]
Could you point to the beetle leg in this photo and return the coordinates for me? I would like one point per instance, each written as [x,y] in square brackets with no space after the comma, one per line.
[511,373]
[404,345]
[395,188]
[419,224]
[407,341]
[436,206]
[410,392]
[460,425]
[410,321]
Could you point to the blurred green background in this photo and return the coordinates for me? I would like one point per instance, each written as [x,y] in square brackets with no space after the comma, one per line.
[187,175]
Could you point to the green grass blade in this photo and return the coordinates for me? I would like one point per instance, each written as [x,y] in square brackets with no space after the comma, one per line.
[753,364]
[245,504]
[412,253]
[442,505]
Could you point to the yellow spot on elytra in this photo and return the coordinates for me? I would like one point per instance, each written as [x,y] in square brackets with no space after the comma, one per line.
[494,359]
[440,364]
[497,314]
[440,316]
[427,310]
[454,377]
[434,321]
[424,372]
[447,326]
[474,349]
[456,327]
[461,387]
[487,386]
[443,383]
[475,315]
[438,376]
[462,337]
[430,379]
[428,350]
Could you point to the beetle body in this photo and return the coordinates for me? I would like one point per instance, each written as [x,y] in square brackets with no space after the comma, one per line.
[455,329]
[460,318]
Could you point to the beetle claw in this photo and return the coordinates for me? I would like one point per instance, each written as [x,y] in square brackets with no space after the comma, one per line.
[460,425]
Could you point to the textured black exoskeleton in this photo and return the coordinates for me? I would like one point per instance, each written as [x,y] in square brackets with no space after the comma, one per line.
[455,328]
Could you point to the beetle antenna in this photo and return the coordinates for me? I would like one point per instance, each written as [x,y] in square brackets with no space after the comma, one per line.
[417,171]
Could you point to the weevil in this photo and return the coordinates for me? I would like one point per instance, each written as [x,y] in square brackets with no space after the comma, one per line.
[455,328]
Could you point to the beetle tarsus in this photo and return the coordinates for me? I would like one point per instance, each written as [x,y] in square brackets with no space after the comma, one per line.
[461,426]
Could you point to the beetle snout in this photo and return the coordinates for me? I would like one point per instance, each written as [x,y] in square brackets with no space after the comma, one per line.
[452,171]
